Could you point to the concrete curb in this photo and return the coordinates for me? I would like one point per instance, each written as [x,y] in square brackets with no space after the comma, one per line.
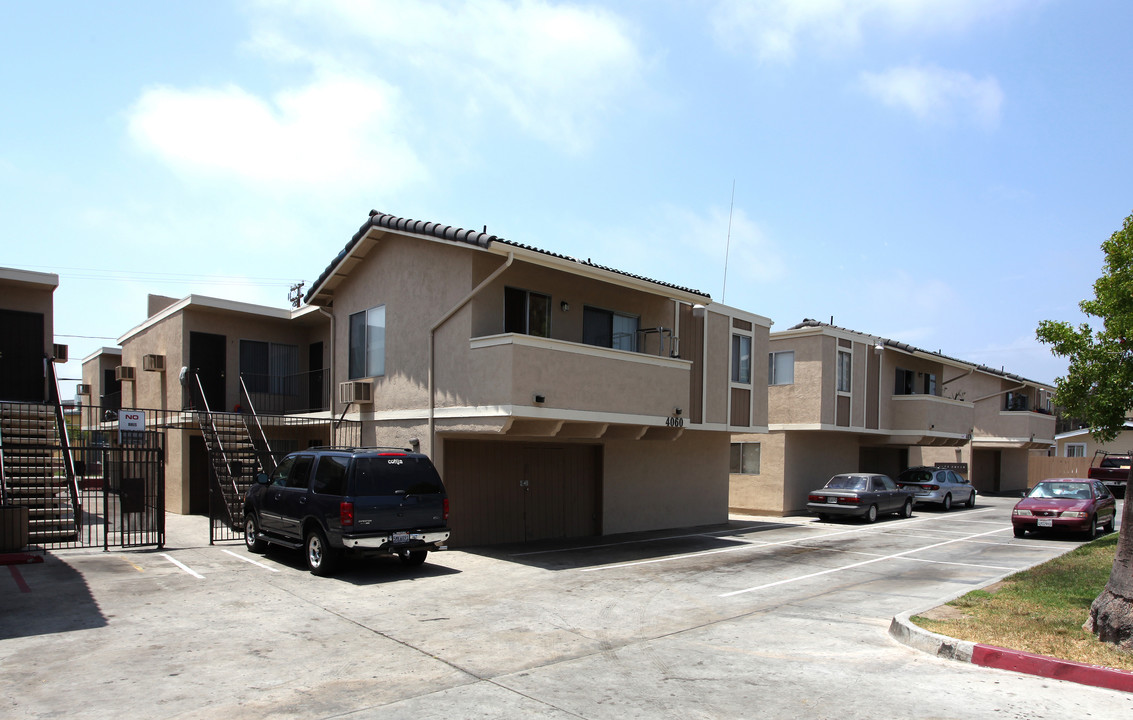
[20,558]
[906,632]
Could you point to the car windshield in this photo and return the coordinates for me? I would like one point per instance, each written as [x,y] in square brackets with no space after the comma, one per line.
[915,476]
[1067,490]
[846,482]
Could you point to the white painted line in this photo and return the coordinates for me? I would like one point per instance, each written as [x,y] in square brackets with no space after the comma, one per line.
[924,560]
[854,565]
[250,560]
[183,567]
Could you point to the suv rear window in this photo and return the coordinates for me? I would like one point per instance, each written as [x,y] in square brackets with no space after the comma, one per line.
[385,475]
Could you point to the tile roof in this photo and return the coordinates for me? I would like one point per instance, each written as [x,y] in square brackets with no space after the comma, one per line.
[471,237]
[809,323]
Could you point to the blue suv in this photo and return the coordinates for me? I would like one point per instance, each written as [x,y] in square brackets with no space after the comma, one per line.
[332,501]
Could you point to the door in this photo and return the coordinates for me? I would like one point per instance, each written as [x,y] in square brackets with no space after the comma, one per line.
[315,392]
[207,358]
[282,506]
[21,356]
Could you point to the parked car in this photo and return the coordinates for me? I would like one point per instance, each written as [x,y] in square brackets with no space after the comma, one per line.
[864,495]
[938,486]
[331,501]
[1073,504]
[1112,470]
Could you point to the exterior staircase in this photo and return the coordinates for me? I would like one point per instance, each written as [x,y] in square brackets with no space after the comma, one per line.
[237,449]
[34,471]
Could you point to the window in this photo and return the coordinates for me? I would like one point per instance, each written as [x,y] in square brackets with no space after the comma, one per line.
[527,312]
[781,368]
[745,458]
[606,328]
[930,383]
[845,367]
[368,343]
[1016,401]
[293,472]
[330,475]
[1075,449]
[269,367]
[741,359]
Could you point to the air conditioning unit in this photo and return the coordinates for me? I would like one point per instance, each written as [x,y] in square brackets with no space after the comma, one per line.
[124,372]
[60,352]
[153,363]
[355,391]
[82,389]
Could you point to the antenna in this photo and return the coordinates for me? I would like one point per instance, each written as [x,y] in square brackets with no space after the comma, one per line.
[728,247]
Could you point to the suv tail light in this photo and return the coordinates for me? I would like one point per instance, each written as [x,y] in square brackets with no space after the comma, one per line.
[346,514]
[446,510]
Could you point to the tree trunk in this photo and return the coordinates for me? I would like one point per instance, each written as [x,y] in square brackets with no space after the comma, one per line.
[1111,614]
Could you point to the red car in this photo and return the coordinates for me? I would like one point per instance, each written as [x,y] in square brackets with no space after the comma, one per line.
[1072,504]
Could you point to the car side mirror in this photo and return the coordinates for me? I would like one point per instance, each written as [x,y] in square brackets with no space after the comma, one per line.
[263,479]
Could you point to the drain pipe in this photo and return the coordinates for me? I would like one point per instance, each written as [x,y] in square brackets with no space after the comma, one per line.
[330,389]
[432,338]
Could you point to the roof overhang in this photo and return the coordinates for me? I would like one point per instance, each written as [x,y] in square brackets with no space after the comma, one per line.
[305,315]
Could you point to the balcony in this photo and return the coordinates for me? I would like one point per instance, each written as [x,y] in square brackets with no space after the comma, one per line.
[1019,429]
[297,393]
[930,420]
[575,380]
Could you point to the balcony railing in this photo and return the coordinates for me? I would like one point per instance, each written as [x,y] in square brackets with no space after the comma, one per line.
[304,392]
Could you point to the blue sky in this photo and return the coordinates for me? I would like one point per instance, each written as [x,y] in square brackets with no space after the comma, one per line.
[939,172]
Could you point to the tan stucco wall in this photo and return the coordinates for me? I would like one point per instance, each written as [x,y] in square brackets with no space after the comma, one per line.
[31,297]
[760,494]
[650,485]
[1123,443]
[802,401]
[812,458]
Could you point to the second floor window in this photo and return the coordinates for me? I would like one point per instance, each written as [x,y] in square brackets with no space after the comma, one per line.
[845,368]
[368,343]
[526,312]
[741,359]
[781,368]
[606,328]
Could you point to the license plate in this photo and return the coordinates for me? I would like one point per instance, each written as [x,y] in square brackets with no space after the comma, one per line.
[1047,522]
[399,538]
[831,500]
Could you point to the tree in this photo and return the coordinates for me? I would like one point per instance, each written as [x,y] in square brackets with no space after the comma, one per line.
[1098,388]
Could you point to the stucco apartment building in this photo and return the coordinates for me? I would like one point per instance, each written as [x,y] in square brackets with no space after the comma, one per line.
[557,397]
[27,334]
[841,400]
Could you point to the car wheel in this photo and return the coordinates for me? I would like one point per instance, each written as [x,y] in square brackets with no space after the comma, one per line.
[320,557]
[823,517]
[1019,532]
[1108,527]
[907,509]
[972,500]
[947,504]
[1092,531]
[412,558]
[871,514]
[252,537]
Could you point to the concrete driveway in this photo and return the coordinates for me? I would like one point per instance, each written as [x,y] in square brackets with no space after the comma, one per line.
[769,618]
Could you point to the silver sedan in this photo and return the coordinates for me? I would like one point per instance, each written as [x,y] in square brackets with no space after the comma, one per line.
[939,486]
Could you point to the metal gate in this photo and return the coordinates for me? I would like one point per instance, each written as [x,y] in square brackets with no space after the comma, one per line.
[121,492]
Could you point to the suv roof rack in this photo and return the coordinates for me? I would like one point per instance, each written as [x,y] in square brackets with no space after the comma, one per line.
[356,448]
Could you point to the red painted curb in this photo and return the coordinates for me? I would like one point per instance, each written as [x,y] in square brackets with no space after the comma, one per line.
[19,558]
[1043,666]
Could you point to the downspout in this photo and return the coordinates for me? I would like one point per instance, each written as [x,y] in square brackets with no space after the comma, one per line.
[432,338]
[1001,392]
[958,377]
[332,386]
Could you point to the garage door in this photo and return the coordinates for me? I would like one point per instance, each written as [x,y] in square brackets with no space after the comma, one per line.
[505,492]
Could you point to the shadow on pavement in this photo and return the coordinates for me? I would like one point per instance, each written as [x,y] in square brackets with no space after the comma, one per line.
[46,598]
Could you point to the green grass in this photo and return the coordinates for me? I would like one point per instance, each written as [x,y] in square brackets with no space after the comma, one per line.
[1040,610]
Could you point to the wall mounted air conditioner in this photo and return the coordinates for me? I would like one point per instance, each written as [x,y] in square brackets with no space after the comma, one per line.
[60,352]
[355,391]
[82,389]
[153,363]
[124,372]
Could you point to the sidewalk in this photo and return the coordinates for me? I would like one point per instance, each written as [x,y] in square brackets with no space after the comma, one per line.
[905,631]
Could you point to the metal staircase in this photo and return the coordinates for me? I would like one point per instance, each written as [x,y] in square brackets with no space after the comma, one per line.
[237,449]
[35,470]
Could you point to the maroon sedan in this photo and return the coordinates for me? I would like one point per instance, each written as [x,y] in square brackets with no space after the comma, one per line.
[1072,504]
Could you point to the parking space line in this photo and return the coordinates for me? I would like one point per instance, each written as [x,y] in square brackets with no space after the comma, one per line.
[854,565]
[923,560]
[250,560]
[19,578]
[184,567]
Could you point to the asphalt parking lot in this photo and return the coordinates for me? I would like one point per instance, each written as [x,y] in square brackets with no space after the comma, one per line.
[764,617]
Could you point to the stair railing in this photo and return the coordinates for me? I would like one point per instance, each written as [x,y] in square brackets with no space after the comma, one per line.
[65,443]
[256,431]
[222,471]
[3,474]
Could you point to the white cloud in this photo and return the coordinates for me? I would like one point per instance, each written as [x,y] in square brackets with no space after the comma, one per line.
[555,69]
[936,95]
[337,132]
[776,30]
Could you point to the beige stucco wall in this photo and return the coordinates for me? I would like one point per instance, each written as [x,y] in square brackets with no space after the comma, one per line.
[649,485]
[1123,443]
[760,494]
[802,401]
[812,458]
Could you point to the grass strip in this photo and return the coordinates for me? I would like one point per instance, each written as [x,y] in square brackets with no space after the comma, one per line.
[1040,610]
